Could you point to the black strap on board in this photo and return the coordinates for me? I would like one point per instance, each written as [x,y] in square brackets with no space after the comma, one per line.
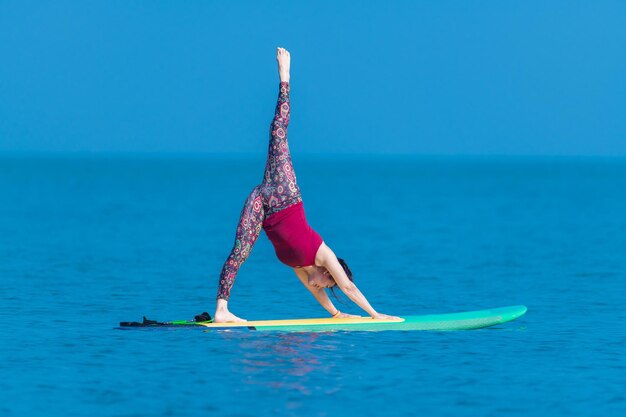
[202,317]
[145,323]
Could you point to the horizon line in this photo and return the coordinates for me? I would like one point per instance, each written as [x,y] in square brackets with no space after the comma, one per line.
[208,155]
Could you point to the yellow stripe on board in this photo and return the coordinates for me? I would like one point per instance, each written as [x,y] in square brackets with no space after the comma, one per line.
[261,323]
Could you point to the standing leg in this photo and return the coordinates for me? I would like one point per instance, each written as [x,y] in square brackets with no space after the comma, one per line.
[248,230]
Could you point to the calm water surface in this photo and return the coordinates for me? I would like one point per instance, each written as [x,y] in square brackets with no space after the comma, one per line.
[86,242]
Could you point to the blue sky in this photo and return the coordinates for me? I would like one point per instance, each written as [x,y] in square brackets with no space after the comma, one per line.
[414,77]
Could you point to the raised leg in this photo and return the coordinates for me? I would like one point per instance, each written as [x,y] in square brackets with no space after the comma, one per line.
[281,189]
[248,230]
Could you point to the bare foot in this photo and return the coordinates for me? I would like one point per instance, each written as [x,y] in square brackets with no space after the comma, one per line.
[284,62]
[225,316]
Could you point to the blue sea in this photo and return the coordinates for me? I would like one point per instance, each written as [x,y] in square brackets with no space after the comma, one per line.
[87,241]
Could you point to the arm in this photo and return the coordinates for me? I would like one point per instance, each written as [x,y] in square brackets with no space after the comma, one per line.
[319,293]
[327,258]
[321,296]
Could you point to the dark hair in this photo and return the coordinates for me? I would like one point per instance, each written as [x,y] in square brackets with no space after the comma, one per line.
[348,272]
[346,269]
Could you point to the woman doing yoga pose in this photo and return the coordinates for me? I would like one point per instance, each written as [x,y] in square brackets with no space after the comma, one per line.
[276,206]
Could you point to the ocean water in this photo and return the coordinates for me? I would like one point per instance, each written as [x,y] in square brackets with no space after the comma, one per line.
[89,241]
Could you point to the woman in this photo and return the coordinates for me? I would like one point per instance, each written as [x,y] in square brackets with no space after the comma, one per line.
[276,207]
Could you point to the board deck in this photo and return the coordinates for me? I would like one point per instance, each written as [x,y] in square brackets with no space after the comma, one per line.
[450,321]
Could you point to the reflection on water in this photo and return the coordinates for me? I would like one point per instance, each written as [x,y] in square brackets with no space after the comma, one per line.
[284,360]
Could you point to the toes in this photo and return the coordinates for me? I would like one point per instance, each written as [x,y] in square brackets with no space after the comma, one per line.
[282,51]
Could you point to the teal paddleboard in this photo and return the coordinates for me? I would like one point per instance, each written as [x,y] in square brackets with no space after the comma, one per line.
[452,321]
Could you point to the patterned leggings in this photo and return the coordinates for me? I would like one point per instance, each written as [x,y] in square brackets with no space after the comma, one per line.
[277,192]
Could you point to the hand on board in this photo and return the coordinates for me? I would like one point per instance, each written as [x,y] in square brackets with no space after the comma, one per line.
[345,316]
[380,316]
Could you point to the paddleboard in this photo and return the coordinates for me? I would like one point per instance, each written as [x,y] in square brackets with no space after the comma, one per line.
[451,321]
